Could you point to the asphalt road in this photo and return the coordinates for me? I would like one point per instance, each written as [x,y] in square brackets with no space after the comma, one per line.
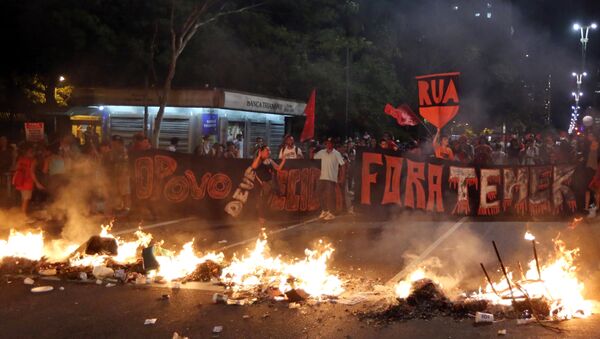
[375,251]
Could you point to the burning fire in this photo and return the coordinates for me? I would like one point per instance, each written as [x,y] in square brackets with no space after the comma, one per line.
[127,250]
[175,266]
[403,288]
[259,270]
[23,245]
[556,282]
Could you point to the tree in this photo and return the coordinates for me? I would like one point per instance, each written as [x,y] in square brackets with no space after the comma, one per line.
[201,14]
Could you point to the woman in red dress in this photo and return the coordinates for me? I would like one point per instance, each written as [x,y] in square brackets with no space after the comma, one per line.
[24,178]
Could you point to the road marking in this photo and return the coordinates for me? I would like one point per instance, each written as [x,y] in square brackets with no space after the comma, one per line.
[160,224]
[249,240]
[426,253]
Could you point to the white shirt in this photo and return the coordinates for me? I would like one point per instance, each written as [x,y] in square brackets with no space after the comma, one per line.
[290,153]
[330,164]
[239,144]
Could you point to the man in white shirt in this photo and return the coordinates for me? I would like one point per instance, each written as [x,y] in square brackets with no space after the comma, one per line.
[289,150]
[239,144]
[331,160]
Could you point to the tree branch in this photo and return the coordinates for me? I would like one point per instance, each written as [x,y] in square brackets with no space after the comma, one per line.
[186,38]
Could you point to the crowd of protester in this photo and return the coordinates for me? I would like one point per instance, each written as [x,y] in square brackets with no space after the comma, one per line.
[46,167]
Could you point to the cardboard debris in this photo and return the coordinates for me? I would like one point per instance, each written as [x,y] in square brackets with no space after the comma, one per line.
[217,329]
[502,332]
[293,305]
[102,246]
[296,295]
[28,281]
[150,321]
[110,285]
[149,259]
[481,317]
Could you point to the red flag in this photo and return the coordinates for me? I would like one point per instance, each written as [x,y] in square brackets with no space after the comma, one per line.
[403,114]
[309,125]
[438,97]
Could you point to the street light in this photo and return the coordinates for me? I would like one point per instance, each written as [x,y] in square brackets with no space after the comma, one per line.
[579,78]
[61,78]
[584,30]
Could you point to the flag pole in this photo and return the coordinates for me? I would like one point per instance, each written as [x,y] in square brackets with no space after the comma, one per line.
[424,125]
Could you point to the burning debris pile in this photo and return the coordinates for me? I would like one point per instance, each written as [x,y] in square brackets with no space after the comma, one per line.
[260,274]
[550,292]
[107,258]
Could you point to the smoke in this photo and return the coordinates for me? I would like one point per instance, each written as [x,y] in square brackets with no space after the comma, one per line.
[503,50]
[453,263]
[76,200]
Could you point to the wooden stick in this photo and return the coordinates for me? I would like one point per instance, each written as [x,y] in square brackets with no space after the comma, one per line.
[489,280]
[537,263]
[504,271]
[521,270]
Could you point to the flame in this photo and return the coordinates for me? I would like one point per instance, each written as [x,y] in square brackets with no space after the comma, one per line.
[23,245]
[259,270]
[403,288]
[175,266]
[529,236]
[559,285]
[127,250]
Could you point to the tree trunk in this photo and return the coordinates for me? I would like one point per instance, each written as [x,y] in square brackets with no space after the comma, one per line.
[162,100]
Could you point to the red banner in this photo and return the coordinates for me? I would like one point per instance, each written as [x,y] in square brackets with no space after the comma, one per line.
[438,97]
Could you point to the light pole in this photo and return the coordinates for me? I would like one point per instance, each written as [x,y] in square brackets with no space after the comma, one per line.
[577,96]
[579,78]
[584,30]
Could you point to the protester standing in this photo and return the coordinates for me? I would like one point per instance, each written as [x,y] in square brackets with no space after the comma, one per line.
[530,154]
[441,148]
[331,160]
[231,151]
[498,156]
[289,150]
[117,166]
[591,154]
[257,146]
[265,168]
[239,144]
[25,179]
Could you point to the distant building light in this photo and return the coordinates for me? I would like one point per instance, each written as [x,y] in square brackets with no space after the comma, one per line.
[477,14]
[489,15]
[101,108]
[489,5]
[455,8]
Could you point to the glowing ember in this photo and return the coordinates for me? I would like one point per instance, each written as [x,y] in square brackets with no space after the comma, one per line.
[23,245]
[559,285]
[260,270]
